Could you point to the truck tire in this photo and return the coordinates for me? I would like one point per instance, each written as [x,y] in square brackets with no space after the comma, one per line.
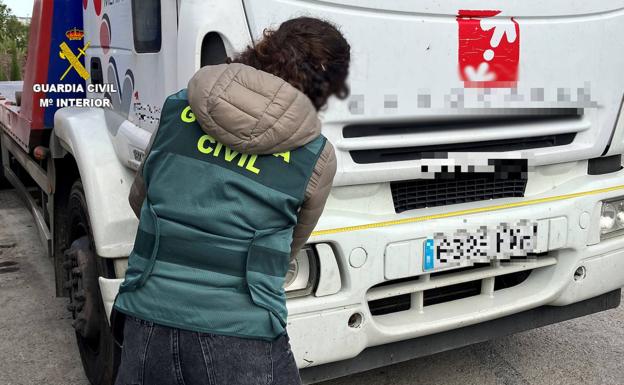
[98,352]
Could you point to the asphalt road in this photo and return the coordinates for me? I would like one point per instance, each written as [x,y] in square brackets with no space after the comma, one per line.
[37,342]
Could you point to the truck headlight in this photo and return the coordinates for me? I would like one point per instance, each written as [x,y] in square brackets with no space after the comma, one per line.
[612,218]
[302,275]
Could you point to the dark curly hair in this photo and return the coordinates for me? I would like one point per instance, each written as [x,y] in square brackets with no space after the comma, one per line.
[310,54]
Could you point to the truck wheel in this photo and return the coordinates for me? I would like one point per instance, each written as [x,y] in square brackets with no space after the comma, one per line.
[99,354]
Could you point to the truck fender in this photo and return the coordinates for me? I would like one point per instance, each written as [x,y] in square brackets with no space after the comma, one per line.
[109,289]
[83,133]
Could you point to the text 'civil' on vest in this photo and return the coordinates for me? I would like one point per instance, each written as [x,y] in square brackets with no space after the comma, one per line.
[210,146]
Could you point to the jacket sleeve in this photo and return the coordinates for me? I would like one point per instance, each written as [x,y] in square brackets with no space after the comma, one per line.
[316,195]
[137,190]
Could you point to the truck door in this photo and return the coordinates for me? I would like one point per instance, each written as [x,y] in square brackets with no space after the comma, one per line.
[133,48]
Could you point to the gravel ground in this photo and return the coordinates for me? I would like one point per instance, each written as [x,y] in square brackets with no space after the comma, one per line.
[37,342]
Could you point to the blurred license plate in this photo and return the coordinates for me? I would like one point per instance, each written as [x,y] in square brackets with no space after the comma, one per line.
[465,248]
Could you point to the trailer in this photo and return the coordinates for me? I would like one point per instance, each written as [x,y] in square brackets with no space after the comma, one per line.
[479,189]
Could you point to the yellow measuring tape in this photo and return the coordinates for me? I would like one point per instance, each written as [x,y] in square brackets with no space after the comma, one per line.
[465,212]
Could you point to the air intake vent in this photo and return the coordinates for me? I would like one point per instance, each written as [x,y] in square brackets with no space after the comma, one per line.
[509,180]
[441,151]
[518,118]
[445,293]
[417,295]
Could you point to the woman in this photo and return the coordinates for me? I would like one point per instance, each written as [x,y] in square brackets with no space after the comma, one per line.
[234,182]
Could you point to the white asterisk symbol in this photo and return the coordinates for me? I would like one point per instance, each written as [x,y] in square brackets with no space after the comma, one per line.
[501,27]
[481,74]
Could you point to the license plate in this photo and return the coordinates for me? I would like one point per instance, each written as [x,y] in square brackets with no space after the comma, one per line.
[465,248]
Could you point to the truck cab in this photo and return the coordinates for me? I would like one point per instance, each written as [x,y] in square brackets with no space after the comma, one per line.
[479,165]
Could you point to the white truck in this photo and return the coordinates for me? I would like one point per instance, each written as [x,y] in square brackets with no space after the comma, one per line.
[479,189]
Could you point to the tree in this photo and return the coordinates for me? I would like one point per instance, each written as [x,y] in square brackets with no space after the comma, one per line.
[16,73]
[11,29]
[13,43]
[17,32]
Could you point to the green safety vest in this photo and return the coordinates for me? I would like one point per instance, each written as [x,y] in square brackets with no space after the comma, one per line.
[213,244]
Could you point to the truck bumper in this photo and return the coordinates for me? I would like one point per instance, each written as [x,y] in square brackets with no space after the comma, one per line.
[329,327]
[375,307]
[393,353]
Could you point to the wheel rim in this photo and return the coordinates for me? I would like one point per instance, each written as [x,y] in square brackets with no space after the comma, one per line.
[82,284]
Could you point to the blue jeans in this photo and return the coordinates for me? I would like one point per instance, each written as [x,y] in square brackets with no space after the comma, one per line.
[153,354]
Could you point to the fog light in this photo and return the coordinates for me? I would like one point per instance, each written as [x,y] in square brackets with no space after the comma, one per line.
[619,218]
[293,272]
[607,218]
[302,275]
[612,218]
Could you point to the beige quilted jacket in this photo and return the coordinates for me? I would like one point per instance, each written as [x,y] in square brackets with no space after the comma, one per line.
[254,112]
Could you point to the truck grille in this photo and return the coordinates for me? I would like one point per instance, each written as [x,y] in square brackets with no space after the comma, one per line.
[445,293]
[443,150]
[418,293]
[511,118]
[435,139]
[378,151]
[508,180]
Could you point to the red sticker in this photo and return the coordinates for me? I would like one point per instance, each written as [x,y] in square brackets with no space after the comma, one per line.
[489,49]
[98,6]
[105,38]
